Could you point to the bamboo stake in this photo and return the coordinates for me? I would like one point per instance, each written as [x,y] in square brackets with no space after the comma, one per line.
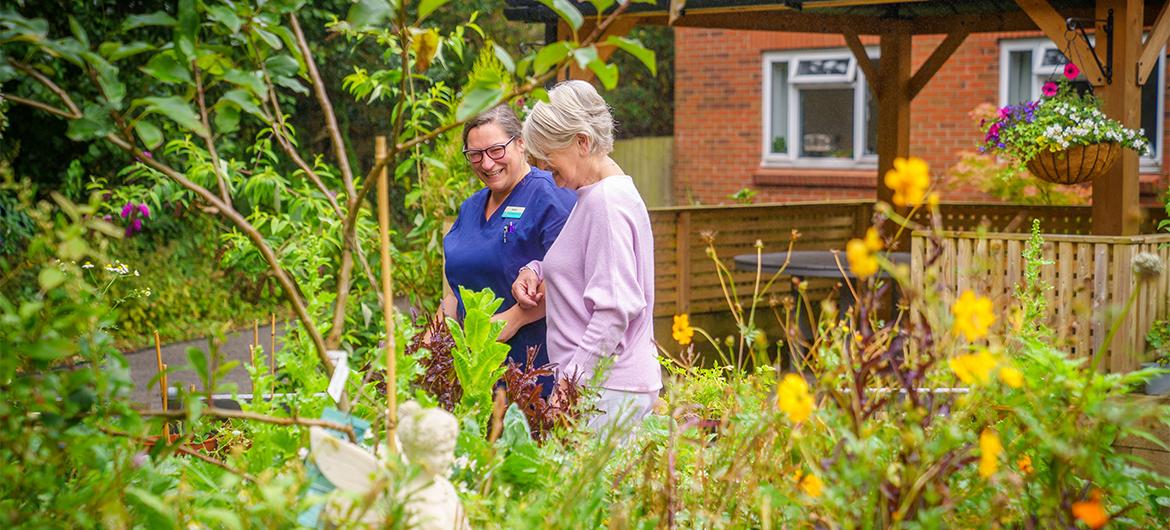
[272,356]
[387,294]
[162,370]
[255,333]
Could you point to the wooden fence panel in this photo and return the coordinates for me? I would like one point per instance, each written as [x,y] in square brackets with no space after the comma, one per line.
[648,160]
[1091,281]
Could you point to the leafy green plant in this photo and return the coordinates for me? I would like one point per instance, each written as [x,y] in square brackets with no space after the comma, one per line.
[478,356]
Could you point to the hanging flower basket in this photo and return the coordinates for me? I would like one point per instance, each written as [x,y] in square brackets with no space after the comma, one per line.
[1077,164]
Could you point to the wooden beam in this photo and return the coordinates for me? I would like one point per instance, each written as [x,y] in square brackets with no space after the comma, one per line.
[863,60]
[1052,24]
[1153,46]
[937,58]
[1115,195]
[794,21]
[893,131]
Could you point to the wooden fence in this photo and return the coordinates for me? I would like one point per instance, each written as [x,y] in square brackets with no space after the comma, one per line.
[1091,279]
[648,160]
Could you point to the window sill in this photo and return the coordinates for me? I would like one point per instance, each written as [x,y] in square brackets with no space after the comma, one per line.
[819,177]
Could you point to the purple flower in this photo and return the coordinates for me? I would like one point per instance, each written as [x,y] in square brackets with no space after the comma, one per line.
[1071,71]
[148,155]
[1049,89]
[108,218]
[127,210]
[144,210]
[136,225]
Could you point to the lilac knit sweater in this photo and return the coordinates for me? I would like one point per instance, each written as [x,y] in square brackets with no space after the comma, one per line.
[599,281]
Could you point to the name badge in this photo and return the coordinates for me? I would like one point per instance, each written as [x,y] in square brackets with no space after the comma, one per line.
[512,212]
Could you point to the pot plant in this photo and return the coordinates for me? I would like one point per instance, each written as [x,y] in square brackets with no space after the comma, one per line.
[1063,137]
[1158,347]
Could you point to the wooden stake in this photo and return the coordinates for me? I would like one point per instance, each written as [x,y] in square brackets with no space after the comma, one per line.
[255,333]
[387,294]
[272,355]
[162,369]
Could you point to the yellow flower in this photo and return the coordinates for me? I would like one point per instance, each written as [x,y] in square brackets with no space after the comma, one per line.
[794,399]
[873,241]
[810,484]
[932,200]
[862,261]
[682,330]
[973,368]
[909,179]
[1091,512]
[973,315]
[1024,464]
[989,451]
[1011,377]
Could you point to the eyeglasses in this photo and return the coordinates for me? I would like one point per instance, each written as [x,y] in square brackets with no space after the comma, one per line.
[495,152]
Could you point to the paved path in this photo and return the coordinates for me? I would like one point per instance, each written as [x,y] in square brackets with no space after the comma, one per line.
[144,363]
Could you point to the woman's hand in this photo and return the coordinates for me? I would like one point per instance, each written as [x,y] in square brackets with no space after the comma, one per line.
[527,290]
[516,317]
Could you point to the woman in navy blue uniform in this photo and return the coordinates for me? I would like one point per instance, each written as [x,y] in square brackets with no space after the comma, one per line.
[513,220]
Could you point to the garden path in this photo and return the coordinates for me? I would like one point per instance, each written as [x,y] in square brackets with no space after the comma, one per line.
[144,363]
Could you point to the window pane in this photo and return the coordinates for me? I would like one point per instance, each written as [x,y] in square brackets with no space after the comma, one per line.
[1019,86]
[779,119]
[1150,111]
[1053,57]
[826,123]
[835,67]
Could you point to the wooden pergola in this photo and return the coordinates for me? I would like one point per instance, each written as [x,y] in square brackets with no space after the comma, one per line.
[1116,76]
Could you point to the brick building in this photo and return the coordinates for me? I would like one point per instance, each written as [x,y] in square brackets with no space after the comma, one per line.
[742,97]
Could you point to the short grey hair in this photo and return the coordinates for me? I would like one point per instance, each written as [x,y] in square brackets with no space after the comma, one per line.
[501,115]
[574,107]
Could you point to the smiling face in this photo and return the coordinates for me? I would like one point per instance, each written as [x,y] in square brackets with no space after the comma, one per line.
[501,175]
[567,163]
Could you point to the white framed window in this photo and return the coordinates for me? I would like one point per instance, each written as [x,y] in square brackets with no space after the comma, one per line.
[818,111]
[1026,64]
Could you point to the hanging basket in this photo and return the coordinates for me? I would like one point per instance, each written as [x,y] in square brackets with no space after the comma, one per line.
[1077,164]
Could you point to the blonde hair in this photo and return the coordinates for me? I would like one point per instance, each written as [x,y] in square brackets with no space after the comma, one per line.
[574,107]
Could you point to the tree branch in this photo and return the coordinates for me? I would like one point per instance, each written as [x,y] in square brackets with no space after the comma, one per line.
[32,72]
[326,107]
[182,449]
[219,177]
[38,105]
[252,416]
[238,220]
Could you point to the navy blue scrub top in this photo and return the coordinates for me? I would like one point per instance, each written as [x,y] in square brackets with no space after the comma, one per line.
[489,252]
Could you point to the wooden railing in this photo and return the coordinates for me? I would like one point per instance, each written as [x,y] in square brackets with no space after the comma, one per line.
[685,275]
[1091,279]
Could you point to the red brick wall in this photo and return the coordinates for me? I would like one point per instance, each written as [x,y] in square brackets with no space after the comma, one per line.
[718,117]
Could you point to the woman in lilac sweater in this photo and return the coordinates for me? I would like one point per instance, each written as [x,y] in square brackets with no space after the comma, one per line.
[597,279]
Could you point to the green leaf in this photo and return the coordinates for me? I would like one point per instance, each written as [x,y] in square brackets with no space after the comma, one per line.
[549,56]
[198,360]
[152,512]
[94,123]
[253,81]
[606,73]
[291,83]
[150,133]
[78,32]
[158,18]
[426,7]
[188,21]
[227,118]
[177,110]
[224,15]
[523,65]
[504,57]
[584,56]
[566,11]
[242,100]
[282,65]
[221,518]
[107,75]
[50,277]
[478,99]
[601,5]
[166,68]
[369,13]
[269,38]
[540,94]
[116,51]
[634,47]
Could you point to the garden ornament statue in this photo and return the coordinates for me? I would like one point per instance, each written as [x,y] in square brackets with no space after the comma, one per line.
[427,437]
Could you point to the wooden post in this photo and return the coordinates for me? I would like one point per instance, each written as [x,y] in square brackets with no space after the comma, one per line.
[682,241]
[387,295]
[162,383]
[893,133]
[1115,194]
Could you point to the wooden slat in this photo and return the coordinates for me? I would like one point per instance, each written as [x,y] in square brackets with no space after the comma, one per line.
[936,60]
[1052,24]
[1159,33]
[863,60]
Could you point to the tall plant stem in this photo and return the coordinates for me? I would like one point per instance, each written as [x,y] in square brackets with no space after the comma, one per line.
[387,296]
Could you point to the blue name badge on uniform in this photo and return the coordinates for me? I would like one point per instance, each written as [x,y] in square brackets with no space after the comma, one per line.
[512,212]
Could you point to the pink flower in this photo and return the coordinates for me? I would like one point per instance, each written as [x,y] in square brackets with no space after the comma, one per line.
[127,210]
[144,210]
[1005,111]
[1049,89]
[1071,71]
